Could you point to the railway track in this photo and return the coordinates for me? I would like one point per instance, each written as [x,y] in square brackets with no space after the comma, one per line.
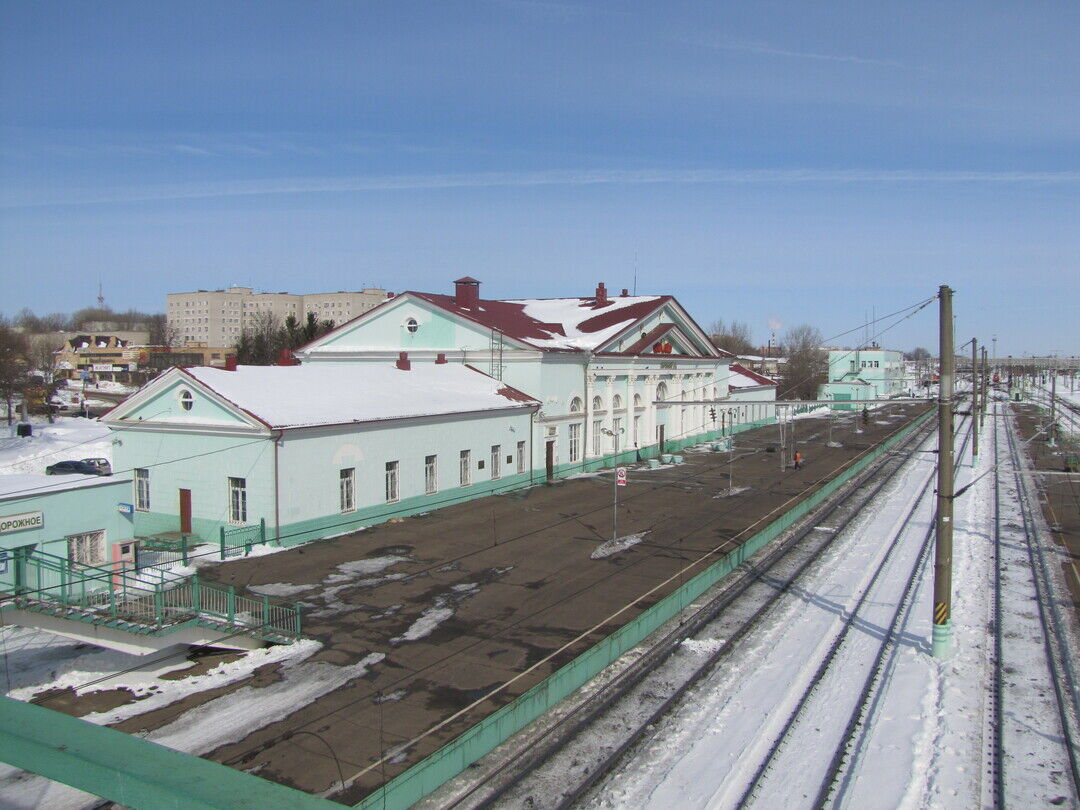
[1022,565]
[559,765]
[829,685]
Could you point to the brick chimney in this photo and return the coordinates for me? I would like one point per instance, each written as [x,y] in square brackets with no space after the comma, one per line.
[625,292]
[403,361]
[440,358]
[230,363]
[601,294]
[285,358]
[467,292]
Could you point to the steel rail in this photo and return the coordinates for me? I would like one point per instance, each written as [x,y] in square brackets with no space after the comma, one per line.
[887,643]
[1059,664]
[514,770]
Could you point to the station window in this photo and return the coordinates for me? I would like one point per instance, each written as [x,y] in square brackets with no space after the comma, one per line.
[575,442]
[596,436]
[187,399]
[520,457]
[237,500]
[392,491]
[347,489]
[496,471]
[142,490]
[431,475]
[464,464]
[87,549]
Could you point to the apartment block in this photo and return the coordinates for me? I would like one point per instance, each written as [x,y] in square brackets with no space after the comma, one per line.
[217,317]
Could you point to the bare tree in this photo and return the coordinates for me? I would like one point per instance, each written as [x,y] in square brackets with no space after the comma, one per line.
[14,376]
[260,343]
[806,369]
[162,333]
[42,354]
[735,338]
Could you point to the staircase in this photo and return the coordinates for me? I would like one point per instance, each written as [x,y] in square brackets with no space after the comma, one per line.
[158,605]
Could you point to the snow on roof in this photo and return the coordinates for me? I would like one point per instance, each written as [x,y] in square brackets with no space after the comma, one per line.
[323,394]
[25,485]
[742,377]
[555,324]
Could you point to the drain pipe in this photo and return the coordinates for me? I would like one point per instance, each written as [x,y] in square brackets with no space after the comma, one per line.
[277,490]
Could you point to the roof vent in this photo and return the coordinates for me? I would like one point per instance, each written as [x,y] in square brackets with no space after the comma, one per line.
[625,292]
[601,294]
[467,292]
[440,358]
[403,361]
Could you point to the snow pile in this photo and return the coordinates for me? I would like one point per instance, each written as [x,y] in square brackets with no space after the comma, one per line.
[443,608]
[570,314]
[617,545]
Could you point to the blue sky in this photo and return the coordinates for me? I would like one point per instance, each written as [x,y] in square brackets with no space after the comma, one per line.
[767,162]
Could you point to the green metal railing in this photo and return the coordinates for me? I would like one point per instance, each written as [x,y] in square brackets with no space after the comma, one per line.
[237,540]
[150,600]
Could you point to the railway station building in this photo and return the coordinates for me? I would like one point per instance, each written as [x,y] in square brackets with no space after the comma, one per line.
[426,400]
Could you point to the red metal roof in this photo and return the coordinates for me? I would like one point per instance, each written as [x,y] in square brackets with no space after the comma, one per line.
[760,379]
[510,318]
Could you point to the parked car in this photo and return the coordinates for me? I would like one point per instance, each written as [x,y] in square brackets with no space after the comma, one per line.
[57,404]
[72,467]
[101,464]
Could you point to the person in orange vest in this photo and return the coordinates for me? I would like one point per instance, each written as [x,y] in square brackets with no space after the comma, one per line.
[798,460]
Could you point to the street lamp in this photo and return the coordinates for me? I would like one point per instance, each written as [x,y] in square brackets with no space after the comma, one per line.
[620,474]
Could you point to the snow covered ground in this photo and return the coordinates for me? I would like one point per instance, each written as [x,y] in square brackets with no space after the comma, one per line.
[926,741]
[68,437]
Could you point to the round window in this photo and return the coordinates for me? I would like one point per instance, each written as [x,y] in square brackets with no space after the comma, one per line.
[412,324]
[186,400]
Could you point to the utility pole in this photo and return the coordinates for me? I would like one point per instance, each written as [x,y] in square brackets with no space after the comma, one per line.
[1053,406]
[985,388]
[974,403]
[942,636]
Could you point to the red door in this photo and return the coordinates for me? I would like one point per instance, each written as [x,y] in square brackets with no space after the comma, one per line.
[185,511]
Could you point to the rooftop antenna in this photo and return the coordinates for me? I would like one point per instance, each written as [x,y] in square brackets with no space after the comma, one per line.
[100,297]
[635,272]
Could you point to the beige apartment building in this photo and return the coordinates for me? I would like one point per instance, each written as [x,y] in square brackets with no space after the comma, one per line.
[217,317]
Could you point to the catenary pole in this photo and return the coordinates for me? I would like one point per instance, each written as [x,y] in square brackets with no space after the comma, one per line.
[942,633]
[985,388]
[976,384]
[1053,405]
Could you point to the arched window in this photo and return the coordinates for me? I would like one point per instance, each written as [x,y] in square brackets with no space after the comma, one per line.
[597,404]
[637,401]
[412,325]
[575,405]
[616,402]
[661,391]
[186,399]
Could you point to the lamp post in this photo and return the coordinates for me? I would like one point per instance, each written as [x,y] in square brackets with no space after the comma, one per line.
[620,473]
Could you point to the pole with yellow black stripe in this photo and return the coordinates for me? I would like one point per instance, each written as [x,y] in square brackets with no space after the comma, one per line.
[942,639]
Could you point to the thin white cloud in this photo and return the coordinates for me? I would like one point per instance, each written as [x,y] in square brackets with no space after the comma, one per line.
[771,50]
[570,177]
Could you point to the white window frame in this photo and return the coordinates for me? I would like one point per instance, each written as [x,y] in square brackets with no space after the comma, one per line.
[597,436]
[575,441]
[616,426]
[88,548]
[520,457]
[142,489]
[347,489]
[237,500]
[393,484]
[496,457]
[465,468]
[637,430]
[431,475]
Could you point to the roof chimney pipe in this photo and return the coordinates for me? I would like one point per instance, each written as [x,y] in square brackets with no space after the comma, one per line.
[440,359]
[601,294]
[467,292]
[403,361]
